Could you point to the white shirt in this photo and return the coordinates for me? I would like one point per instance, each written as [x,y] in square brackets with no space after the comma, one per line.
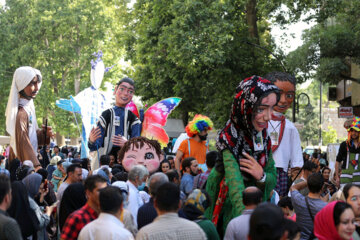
[135,201]
[101,167]
[106,226]
[289,150]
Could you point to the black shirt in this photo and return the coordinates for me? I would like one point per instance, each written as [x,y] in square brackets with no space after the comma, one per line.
[342,155]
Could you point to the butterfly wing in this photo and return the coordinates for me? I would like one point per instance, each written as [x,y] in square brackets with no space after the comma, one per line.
[155,119]
[132,107]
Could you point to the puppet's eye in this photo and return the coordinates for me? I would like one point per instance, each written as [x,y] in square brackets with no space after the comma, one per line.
[149,155]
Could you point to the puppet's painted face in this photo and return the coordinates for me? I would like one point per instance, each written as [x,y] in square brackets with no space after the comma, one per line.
[287,95]
[145,156]
[123,94]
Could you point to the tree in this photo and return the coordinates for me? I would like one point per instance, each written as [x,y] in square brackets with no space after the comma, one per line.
[332,45]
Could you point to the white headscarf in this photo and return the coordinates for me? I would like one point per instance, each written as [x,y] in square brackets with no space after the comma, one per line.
[22,77]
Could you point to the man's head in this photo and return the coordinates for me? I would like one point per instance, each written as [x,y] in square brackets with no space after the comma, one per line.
[142,151]
[190,165]
[104,160]
[138,174]
[74,173]
[167,198]
[286,84]
[211,158]
[124,91]
[156,180]
[111,200]
[199,126]
[352,197]
[56,149]
[309,168]
[267,223]
[92,186]
[5,192]
[286,206]
[173,176]
[252,196]
[315,182]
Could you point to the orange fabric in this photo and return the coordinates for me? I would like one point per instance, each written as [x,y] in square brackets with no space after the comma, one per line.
[197,150]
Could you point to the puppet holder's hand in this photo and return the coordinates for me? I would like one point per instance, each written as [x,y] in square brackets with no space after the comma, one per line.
[95,134]
[119,140]
[251,166]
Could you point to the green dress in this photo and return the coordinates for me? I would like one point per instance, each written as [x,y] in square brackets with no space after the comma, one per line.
[233,205]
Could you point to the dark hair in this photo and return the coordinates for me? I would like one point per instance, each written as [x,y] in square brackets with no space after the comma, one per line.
[168,197]
[339,208]
[110,199]
[104,160]
[187,163]
[5,186]
[325,168]
[127,80]
[172,175]
[139,142]
[280,76]
[43,173]
[56,147]
[292,228]
[285,202]
[211,158]
[315,182]
[72,168]
[90,182]
[309,165]
[170,158]
[162,162]
[84,163]
[347,188]
[252,197]
[121,176]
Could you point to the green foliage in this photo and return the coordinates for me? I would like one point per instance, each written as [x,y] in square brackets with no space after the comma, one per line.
[331,45]
[329,136]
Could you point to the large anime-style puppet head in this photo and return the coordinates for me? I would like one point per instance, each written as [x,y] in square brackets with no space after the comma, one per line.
[286,84]
[140,150]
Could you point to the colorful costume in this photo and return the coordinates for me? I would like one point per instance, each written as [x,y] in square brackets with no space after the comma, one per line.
[349,156]
[225,186]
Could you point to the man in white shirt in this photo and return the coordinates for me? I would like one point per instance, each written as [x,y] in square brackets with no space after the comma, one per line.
[108,224]
[285,139]
[137,176]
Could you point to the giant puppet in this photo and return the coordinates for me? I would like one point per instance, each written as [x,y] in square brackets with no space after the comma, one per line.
[90,102]
[21,123]
[285,139]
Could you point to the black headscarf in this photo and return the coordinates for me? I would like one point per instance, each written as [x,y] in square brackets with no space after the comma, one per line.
[13,166]
[72,199]
[20,210]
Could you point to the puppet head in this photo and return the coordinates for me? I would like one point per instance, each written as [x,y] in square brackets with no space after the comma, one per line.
[140,150]
[286,84]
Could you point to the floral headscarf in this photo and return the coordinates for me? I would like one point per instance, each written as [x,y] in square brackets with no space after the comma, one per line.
[237,136]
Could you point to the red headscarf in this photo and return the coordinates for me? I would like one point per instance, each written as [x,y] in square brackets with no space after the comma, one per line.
[324,226]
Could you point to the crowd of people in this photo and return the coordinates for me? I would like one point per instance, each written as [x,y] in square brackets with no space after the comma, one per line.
[256,185]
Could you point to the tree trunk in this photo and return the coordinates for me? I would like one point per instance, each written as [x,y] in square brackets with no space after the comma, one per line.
[252,20]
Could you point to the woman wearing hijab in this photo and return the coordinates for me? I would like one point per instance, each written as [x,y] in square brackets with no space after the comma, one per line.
[246,151]
[33,184]
[194,209]
[335,222]
[74,198]
[20,210]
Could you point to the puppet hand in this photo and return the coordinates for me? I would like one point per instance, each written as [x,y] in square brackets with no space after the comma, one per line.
[95,134]
[119,140]
[251,166]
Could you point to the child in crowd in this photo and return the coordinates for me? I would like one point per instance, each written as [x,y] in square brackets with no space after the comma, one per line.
[58,175]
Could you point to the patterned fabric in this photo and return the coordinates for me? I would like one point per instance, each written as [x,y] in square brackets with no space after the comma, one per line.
[198,124]
[220,201]
[76,221]
[237,136]
[198,199]
[281,182]
[355,124]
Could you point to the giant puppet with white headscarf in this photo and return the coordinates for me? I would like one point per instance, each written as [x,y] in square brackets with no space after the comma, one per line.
[20,115]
